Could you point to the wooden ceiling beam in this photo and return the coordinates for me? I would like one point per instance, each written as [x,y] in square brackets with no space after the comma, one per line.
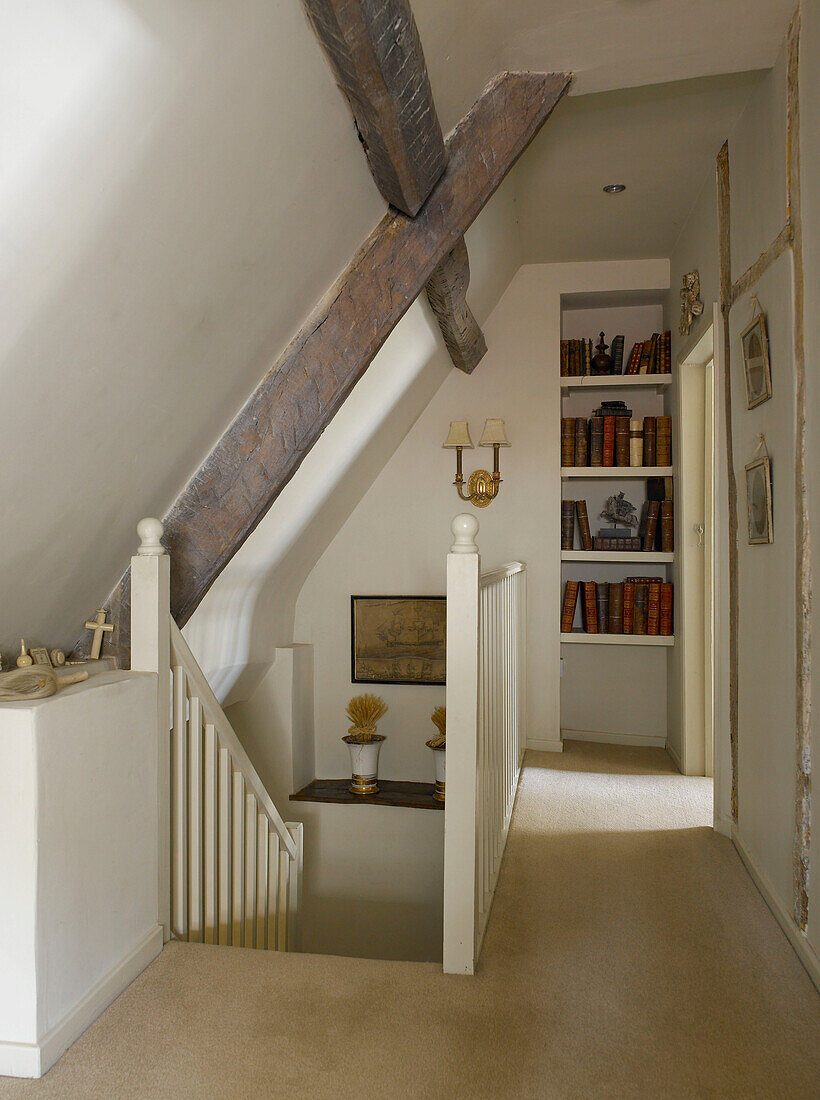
[299,396]
[447,295]
[375,52]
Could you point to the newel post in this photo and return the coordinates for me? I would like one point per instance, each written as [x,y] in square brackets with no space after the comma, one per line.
[460,807]
[151,652]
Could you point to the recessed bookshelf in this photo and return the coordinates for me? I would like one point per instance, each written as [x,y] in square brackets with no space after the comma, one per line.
[649,557]
[615,471]
[580,637]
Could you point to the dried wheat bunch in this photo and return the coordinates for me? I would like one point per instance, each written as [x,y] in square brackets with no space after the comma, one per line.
[364,711]
[439,720]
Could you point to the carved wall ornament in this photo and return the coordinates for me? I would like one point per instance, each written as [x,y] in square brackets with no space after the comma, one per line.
[691,305]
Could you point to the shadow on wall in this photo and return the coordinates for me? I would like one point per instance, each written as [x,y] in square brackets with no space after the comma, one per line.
[367,928]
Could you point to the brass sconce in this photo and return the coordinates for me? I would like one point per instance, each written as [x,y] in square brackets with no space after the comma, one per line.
[482,488]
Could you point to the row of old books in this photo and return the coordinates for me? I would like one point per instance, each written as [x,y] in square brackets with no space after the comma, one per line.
[577,356]
[653,356]
[616,441]
[656,531]
[637,605]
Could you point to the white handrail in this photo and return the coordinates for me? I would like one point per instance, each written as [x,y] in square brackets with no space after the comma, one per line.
[486,735]
[181,656]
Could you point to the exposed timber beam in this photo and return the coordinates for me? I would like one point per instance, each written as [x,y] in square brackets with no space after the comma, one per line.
[375,52]
[299,396]
[447,294]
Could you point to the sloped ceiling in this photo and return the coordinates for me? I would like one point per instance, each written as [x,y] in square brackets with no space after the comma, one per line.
[180,183]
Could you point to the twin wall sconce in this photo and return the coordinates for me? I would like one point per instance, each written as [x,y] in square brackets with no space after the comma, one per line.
[482,488]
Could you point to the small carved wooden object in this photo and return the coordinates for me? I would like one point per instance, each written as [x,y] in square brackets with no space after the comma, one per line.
[98,626]
[24,660]
[602,363]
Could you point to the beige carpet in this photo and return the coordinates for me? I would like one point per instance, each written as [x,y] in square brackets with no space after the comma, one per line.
[628,955]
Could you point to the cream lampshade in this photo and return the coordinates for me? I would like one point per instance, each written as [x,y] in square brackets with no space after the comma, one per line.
[459,435]
[494,434]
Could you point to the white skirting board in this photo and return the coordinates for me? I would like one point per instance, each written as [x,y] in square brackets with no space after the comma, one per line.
[645,741]
[35,1059]
[796,938]
[539,745]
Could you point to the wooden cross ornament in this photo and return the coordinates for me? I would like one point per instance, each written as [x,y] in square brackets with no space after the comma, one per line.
[99,626]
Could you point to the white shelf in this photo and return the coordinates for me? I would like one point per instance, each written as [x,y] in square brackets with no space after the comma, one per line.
[580,637]
[648,556]
[615,471]
[619,381]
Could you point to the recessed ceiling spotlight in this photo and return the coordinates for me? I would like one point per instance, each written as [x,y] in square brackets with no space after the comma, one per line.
[615,188]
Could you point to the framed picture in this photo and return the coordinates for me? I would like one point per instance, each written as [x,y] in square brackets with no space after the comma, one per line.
[39,654]
[755,341]
[759,500]
[398,639]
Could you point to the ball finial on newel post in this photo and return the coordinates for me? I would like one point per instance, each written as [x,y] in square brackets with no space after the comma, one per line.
[150,533]
[465,529]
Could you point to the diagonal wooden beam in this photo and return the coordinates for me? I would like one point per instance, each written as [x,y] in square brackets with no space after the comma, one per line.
[300,394]
[447,295]
[375,52]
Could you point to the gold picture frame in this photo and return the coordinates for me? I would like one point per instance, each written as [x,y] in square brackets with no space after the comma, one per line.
[756,365]
[398,639]
[759,501]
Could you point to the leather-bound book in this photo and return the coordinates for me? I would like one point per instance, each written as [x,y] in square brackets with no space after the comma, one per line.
[597,543]
[602,601]
[665,625]
[663,440]
[649,451]
[651,529]
[567,440]
[653,353]
[568,610]
[636,443]
[596,441]
[646,357]
[567,524]
[635,358]
[667,352]
[609,441]
[617,353]
[653,611]
[581,458]
[616,608]
[583,525]
[622,440]
[590,607]
[641,606]
[629,606]
[667,526]
[565,358]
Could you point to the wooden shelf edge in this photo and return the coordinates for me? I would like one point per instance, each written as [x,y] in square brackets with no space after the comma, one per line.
[616,471]
[611,381]
[392,792]
[580,637]
[649,557]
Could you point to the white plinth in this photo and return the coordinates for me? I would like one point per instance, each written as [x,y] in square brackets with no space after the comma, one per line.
[78,861]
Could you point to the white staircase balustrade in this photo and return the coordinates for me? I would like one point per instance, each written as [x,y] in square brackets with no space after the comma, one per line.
[486,735]
[230,867]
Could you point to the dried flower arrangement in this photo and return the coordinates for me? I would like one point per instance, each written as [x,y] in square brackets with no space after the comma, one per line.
[439,720]
[364,711]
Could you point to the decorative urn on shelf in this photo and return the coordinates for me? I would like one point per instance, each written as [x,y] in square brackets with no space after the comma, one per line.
[363,743]
[602,363]
[439,746]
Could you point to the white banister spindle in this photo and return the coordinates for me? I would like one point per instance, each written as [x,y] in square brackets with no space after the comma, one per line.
[150,652]
[486,657]
[230,867]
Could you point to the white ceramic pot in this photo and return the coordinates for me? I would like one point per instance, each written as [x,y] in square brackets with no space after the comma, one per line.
[441,768]
[364,764]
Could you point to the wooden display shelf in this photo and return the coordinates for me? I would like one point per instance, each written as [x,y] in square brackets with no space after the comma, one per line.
[392,792]
[650,557]
[615,471]
[580,637]
[611,381]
